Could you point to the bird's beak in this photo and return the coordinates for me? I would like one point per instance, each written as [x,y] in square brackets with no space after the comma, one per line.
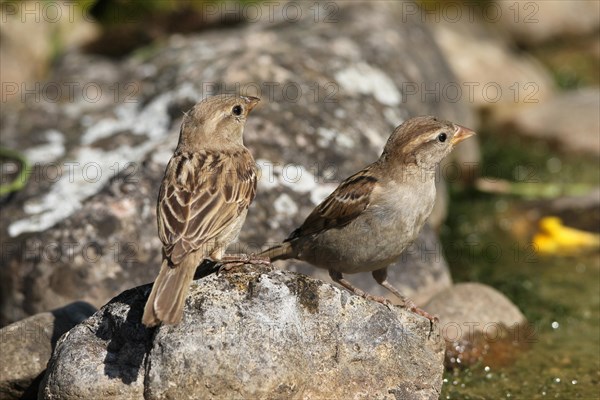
[251,102]
[461,134]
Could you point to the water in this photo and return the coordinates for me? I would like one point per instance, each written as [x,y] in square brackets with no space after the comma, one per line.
[559,295]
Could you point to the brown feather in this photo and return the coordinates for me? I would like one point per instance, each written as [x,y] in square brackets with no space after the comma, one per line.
[207,197]
[208,185]
[172,284]
[347,202]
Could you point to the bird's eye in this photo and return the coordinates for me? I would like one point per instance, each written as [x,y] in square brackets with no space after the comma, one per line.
[237,110]
[442,137]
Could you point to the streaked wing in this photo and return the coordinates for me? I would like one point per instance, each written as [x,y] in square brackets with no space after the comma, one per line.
[346,202]
[201,195]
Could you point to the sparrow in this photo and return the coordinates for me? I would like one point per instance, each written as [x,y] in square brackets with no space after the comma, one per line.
[372,216]
[208,185]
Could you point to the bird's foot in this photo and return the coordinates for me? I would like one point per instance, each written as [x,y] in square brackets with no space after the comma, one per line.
[230,261]
[260,260]
[412,307]
[367,296]
[378,299]
[338,277]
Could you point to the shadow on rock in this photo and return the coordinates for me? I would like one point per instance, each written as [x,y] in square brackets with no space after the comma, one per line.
[127,339]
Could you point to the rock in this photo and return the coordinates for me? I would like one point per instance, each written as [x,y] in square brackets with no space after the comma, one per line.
[250,333]
[32,33]
[532,23]
[27,346]
[569,120]
[332,91]
[420,273]
[492,75]
[479,324]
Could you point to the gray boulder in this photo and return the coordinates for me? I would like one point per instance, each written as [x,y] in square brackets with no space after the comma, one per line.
[250,333]
[539,22]
[26,347]
[493,76]
[569,120]
[480,324]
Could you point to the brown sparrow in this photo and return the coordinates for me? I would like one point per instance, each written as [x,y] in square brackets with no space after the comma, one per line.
[372,216]
[208,185]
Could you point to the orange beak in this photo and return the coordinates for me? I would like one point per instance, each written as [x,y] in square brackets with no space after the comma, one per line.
[461,134]
[251,102]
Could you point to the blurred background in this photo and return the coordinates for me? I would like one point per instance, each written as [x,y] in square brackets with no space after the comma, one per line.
[92,95]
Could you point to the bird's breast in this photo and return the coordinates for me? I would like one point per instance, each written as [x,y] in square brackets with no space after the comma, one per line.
[379,235]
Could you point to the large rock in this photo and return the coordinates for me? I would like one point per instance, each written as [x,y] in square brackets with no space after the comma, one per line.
[569,120]
[492,74]
[535,22]
[250,333]
[26,347]
[31,35]
[479,324]
[333,88]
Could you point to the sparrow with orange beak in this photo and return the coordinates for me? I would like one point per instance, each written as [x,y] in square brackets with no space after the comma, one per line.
[375,214]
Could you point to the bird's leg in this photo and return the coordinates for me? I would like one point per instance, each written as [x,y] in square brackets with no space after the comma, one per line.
[339,278]
[380,276]
[230,261]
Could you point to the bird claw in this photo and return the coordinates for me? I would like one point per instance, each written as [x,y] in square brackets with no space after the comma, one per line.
[230,262]
[414,309]
[256,259]
[378,299]
[228,266]
[410,306]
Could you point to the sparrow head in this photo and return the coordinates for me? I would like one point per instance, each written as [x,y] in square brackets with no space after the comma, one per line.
[424,141]
[217,119]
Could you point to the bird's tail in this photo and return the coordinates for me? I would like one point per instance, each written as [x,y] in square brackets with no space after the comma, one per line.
[166,300]
[282,251]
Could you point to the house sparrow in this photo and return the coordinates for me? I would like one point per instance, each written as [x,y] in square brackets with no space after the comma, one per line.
[208,185]
[372,216]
